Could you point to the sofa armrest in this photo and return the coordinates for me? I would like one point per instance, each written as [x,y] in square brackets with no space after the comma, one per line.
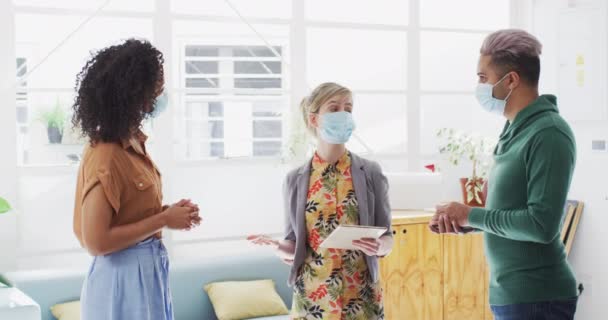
[49,287]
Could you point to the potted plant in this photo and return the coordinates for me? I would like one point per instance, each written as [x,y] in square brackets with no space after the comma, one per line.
[458,146]
[54,120]
[4,208]
[4,282]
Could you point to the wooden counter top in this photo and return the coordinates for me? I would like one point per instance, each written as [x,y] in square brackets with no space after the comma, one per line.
[412,216]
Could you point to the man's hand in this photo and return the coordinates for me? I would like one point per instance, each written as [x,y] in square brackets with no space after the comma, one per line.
[450,218]
[434,224]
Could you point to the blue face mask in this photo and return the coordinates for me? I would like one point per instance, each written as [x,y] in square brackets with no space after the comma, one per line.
[336,127]
[160,105]
[485,97]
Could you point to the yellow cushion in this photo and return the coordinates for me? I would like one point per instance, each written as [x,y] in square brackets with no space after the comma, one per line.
[66,311]
[236,300]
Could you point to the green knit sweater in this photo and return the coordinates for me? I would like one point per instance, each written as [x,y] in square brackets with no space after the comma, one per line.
[528,186]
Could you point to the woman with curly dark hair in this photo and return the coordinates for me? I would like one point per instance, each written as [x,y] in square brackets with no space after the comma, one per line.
[118,214]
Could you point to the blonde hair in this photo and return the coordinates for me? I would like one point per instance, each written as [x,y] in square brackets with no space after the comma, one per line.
[321,94]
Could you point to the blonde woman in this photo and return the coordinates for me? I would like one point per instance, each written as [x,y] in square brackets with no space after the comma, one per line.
[336,187]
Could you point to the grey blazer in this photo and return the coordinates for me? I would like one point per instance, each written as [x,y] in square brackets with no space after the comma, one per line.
[371,189]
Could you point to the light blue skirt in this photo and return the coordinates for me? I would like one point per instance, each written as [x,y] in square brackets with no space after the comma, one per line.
[129,284]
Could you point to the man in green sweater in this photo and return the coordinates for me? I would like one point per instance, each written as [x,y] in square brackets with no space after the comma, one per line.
[530,278]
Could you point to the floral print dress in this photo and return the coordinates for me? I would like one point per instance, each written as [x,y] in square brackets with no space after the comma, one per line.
[333,284]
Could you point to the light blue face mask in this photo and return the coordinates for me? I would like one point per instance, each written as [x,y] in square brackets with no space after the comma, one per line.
[336,127]
[485,97]
[160,105]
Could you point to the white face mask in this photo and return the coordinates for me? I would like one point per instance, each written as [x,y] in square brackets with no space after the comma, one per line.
[336,127]
[160,104]
[485,97]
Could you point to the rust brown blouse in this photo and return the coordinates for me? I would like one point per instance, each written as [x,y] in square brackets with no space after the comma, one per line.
[130,180]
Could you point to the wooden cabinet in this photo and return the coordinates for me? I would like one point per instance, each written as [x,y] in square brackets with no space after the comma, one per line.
[464,270]
[433,277]
[393,279]
[412,275]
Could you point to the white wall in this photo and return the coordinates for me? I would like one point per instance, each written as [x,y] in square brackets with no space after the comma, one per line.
[236,197]
[589,256]
[8,136]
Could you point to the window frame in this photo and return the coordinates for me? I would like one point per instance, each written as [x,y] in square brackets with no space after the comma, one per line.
[231,93]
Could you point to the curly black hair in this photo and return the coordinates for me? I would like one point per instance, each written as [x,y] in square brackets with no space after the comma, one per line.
[116,90]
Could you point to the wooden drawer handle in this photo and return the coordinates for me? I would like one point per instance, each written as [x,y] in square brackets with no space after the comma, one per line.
[404,231]
[394,232]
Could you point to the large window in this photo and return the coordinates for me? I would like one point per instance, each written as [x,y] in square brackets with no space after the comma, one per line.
[231,90]
[233,94]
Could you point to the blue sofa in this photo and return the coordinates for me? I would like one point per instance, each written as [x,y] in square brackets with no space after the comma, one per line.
[190,301]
